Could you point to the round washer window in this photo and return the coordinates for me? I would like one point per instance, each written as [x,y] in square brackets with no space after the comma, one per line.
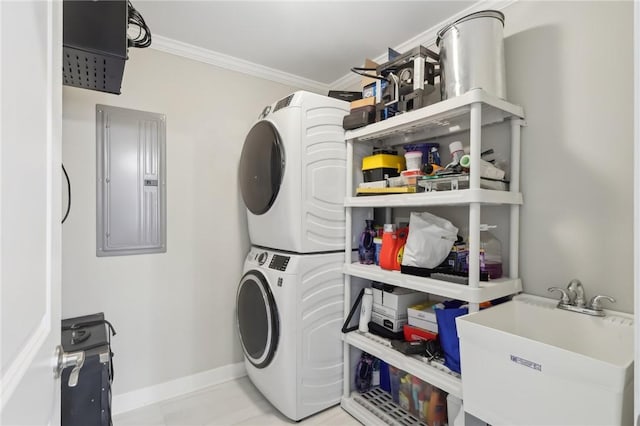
[257,317]
[261,167]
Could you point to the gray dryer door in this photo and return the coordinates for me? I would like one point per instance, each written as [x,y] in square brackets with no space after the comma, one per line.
[257,317]
[261,167]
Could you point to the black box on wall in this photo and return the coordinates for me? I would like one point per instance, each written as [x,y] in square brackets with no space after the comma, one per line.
[94,38]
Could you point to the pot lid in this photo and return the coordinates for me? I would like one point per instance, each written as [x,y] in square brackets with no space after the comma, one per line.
[481,14]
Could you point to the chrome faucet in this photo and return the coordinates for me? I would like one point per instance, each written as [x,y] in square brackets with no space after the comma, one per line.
[576,292]
[573,299]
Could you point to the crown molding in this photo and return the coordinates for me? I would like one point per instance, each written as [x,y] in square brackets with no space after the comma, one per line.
[185,50]
[426,38]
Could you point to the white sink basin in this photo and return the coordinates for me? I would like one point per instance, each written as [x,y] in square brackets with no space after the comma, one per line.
[525,362]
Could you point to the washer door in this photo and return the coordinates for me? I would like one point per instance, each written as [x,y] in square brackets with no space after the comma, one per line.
[257,316]
[261,167]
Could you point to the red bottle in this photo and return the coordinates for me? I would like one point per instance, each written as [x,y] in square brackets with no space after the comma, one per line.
[392,244]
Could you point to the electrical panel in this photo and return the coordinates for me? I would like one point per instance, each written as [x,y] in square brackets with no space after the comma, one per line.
[131,183]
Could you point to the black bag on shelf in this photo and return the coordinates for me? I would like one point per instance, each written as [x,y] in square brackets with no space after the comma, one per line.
[89,402]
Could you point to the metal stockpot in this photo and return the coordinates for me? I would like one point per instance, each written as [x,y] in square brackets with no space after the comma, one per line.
[472,55]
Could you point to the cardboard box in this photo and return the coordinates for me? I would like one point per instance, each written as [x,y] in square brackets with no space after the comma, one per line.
[411,334]
[377,296]
[423,316]
[394,325]
[365,81]
[423,311]
[362,102]
[388,312]
[399,299]
[369,91]
[423,324]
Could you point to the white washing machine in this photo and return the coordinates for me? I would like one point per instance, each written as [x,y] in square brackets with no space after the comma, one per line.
[292,175]
[289,314]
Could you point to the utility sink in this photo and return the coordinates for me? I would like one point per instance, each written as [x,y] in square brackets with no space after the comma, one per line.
[526,362]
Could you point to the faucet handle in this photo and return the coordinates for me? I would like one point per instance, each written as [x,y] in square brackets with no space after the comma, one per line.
[595,301]
[565,300]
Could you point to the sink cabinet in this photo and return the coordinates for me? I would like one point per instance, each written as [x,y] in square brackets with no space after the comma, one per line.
[467,113]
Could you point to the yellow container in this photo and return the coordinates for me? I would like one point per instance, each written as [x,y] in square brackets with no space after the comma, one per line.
[383,161]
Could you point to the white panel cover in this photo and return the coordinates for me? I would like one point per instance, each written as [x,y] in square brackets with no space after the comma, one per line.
[131,199]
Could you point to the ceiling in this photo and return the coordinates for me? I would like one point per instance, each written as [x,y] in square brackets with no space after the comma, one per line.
[315,40]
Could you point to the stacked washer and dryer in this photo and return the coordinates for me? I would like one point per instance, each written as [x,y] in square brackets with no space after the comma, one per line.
[290,298]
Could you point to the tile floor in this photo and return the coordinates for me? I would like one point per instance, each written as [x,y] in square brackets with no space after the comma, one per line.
[237,402]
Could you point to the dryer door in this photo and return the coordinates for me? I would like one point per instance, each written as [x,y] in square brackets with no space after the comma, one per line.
[257,316]
[261,167]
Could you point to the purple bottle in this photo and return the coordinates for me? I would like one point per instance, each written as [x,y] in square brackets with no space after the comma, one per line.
[366,248]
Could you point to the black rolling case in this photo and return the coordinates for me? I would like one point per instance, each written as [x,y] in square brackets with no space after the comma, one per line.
[89,402]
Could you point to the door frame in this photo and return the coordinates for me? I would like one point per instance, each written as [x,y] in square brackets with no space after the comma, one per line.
[48,330]
[636,203]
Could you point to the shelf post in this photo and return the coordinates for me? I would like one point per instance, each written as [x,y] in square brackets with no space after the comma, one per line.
[514,186]
[475,135]
[348,229]
[346,351]
[350,169]
[475,139]
[474,250]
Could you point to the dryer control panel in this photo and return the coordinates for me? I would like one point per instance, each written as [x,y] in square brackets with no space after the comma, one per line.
[279,263]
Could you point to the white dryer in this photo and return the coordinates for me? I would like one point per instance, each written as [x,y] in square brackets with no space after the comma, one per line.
[292,175]
[289,314]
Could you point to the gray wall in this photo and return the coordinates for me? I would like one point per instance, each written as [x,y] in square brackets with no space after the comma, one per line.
[570,65]
[174,312]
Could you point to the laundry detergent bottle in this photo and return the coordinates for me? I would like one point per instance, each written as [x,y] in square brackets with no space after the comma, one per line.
[367,248]
[389,237]
[393,242]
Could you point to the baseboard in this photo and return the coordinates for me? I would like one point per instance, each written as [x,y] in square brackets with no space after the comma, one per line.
[150,395]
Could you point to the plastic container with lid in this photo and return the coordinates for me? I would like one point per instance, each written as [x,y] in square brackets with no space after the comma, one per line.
[457,151]
[490,253]
[381,165]
[490,246]
[410,177]
[430,151]
[413,160]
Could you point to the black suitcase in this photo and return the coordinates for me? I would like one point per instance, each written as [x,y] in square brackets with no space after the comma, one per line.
[89,402]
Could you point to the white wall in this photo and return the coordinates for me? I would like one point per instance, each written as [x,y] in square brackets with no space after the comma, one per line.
[570,65]
[174,312]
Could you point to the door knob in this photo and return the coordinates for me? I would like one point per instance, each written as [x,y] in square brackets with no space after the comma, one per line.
[69,359]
